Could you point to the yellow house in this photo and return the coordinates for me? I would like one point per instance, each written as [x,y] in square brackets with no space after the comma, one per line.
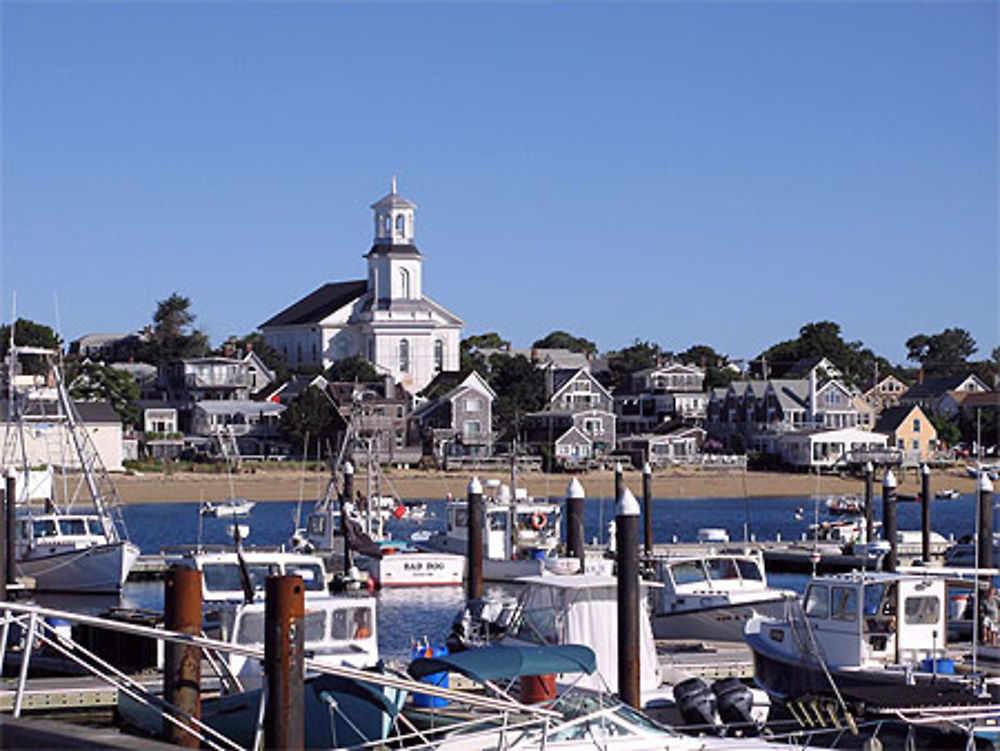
[909,430]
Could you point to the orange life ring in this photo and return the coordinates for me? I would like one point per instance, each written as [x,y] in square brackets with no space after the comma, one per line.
[537,521]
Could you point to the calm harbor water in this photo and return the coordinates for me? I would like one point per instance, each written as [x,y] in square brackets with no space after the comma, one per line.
[419,613]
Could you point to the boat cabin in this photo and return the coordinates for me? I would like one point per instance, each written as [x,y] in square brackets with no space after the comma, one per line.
[710,575]
[221,578]
[338,631]
[52,533]
[511,530]
[891,619]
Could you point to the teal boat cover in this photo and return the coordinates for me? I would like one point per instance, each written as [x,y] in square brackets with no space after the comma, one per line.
[501,662]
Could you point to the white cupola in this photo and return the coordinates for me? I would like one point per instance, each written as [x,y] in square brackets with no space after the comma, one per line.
[393,219]
[394,263]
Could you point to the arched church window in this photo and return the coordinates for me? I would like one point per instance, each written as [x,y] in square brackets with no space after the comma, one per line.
[400,224]
[438,355]
[386,224]
[404,355]
[404,283]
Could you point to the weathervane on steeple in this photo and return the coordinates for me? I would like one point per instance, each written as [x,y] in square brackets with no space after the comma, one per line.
[394,185]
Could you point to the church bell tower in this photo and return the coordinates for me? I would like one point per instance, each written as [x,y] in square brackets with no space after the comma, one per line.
[394,263]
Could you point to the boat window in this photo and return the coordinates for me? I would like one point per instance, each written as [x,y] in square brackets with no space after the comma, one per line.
[251,629]
[96,527]
[316,525]
[539,626]
[461,517]
[922,610]
[314,626]
[721,568]
[689,572]
[749,570]
[72,527]
[45,528]
[258,575]
[496,521]
[880,599]
[640,720]
[311,573]
[351,623]
[817,601]
[844,604]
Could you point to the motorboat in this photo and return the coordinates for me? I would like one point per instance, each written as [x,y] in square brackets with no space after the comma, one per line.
[871,640]
[519,532]
[403,565]
[62,548]
[845,506]
[225,571]
[712,596]
[948,494]
[228,508]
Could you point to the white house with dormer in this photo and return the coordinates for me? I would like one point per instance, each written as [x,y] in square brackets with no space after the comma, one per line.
[385,318]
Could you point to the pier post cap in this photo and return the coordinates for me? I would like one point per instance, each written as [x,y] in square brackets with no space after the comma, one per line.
[618,468]
[627,505]
[475,487]
[890,480]
[985,484]
[869,468]
[575,489]
[646,469]
[924,469]
[348,468]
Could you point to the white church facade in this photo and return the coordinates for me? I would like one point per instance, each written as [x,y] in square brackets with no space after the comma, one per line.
[385,318]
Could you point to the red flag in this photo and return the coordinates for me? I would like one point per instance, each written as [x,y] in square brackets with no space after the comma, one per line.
[399,512]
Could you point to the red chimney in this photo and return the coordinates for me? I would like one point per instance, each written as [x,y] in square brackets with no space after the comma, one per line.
[920,376]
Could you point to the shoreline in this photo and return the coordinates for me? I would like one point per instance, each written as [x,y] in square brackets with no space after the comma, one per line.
[290,484]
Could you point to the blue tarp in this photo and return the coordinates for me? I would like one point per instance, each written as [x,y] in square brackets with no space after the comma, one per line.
[501,662]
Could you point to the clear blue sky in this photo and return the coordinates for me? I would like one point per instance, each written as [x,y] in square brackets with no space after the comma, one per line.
[678,172]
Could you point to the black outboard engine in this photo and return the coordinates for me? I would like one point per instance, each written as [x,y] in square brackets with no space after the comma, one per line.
[696,703]
[735,700]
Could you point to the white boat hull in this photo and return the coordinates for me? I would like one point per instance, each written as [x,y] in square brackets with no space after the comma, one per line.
[415,569]
[93,569]
[718,623]
[494,569]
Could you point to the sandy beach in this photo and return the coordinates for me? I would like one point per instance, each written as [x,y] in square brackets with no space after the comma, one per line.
[289,484]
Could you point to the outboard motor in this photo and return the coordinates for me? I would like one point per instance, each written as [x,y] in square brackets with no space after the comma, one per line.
[735,701]
[696,703]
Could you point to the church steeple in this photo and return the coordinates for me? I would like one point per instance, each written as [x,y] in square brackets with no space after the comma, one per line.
[393,219]
[394,263]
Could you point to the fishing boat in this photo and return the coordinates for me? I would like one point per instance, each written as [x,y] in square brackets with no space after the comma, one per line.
[519,533]
[870,640]
[61,548]
[228,508]
[400,564]
[712,597]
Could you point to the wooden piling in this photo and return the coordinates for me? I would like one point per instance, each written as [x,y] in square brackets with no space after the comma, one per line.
[889,520]
[575,547]
[474,510]
[182,665]
[284,663]
[348,498]
[925,513]
[647,509]
[985,520]
[627,543]
[869,502]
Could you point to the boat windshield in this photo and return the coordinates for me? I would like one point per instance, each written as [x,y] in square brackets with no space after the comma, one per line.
[538,626]
[72,526]
[749,569]
[95,525]
[44,528]
[586,717]
[688,572]
[311,573]
[721,568]
[225,577]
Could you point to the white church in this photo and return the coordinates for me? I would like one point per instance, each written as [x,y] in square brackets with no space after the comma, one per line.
[385,318]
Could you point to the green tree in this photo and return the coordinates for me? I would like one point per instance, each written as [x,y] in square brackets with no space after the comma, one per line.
[621,363]
[95,382]
[563,340]
[315,414]
[520,388]
[271,357]
[716,374]
[491,340]
[174,335]
[29,334]
[942,354]
[948,432]
[353,369]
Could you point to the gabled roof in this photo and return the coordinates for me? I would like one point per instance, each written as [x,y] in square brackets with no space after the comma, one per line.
[791,393]
[562,376]
[932,388]
[891,418]
[447,385]
[319,304]
[804,365]
[574,432]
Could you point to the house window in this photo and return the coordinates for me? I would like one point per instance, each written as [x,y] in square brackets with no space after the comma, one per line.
[473,404]
[472,428]
[916,444]
[916,425]
[404,283]
[404,355]
[438,355]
